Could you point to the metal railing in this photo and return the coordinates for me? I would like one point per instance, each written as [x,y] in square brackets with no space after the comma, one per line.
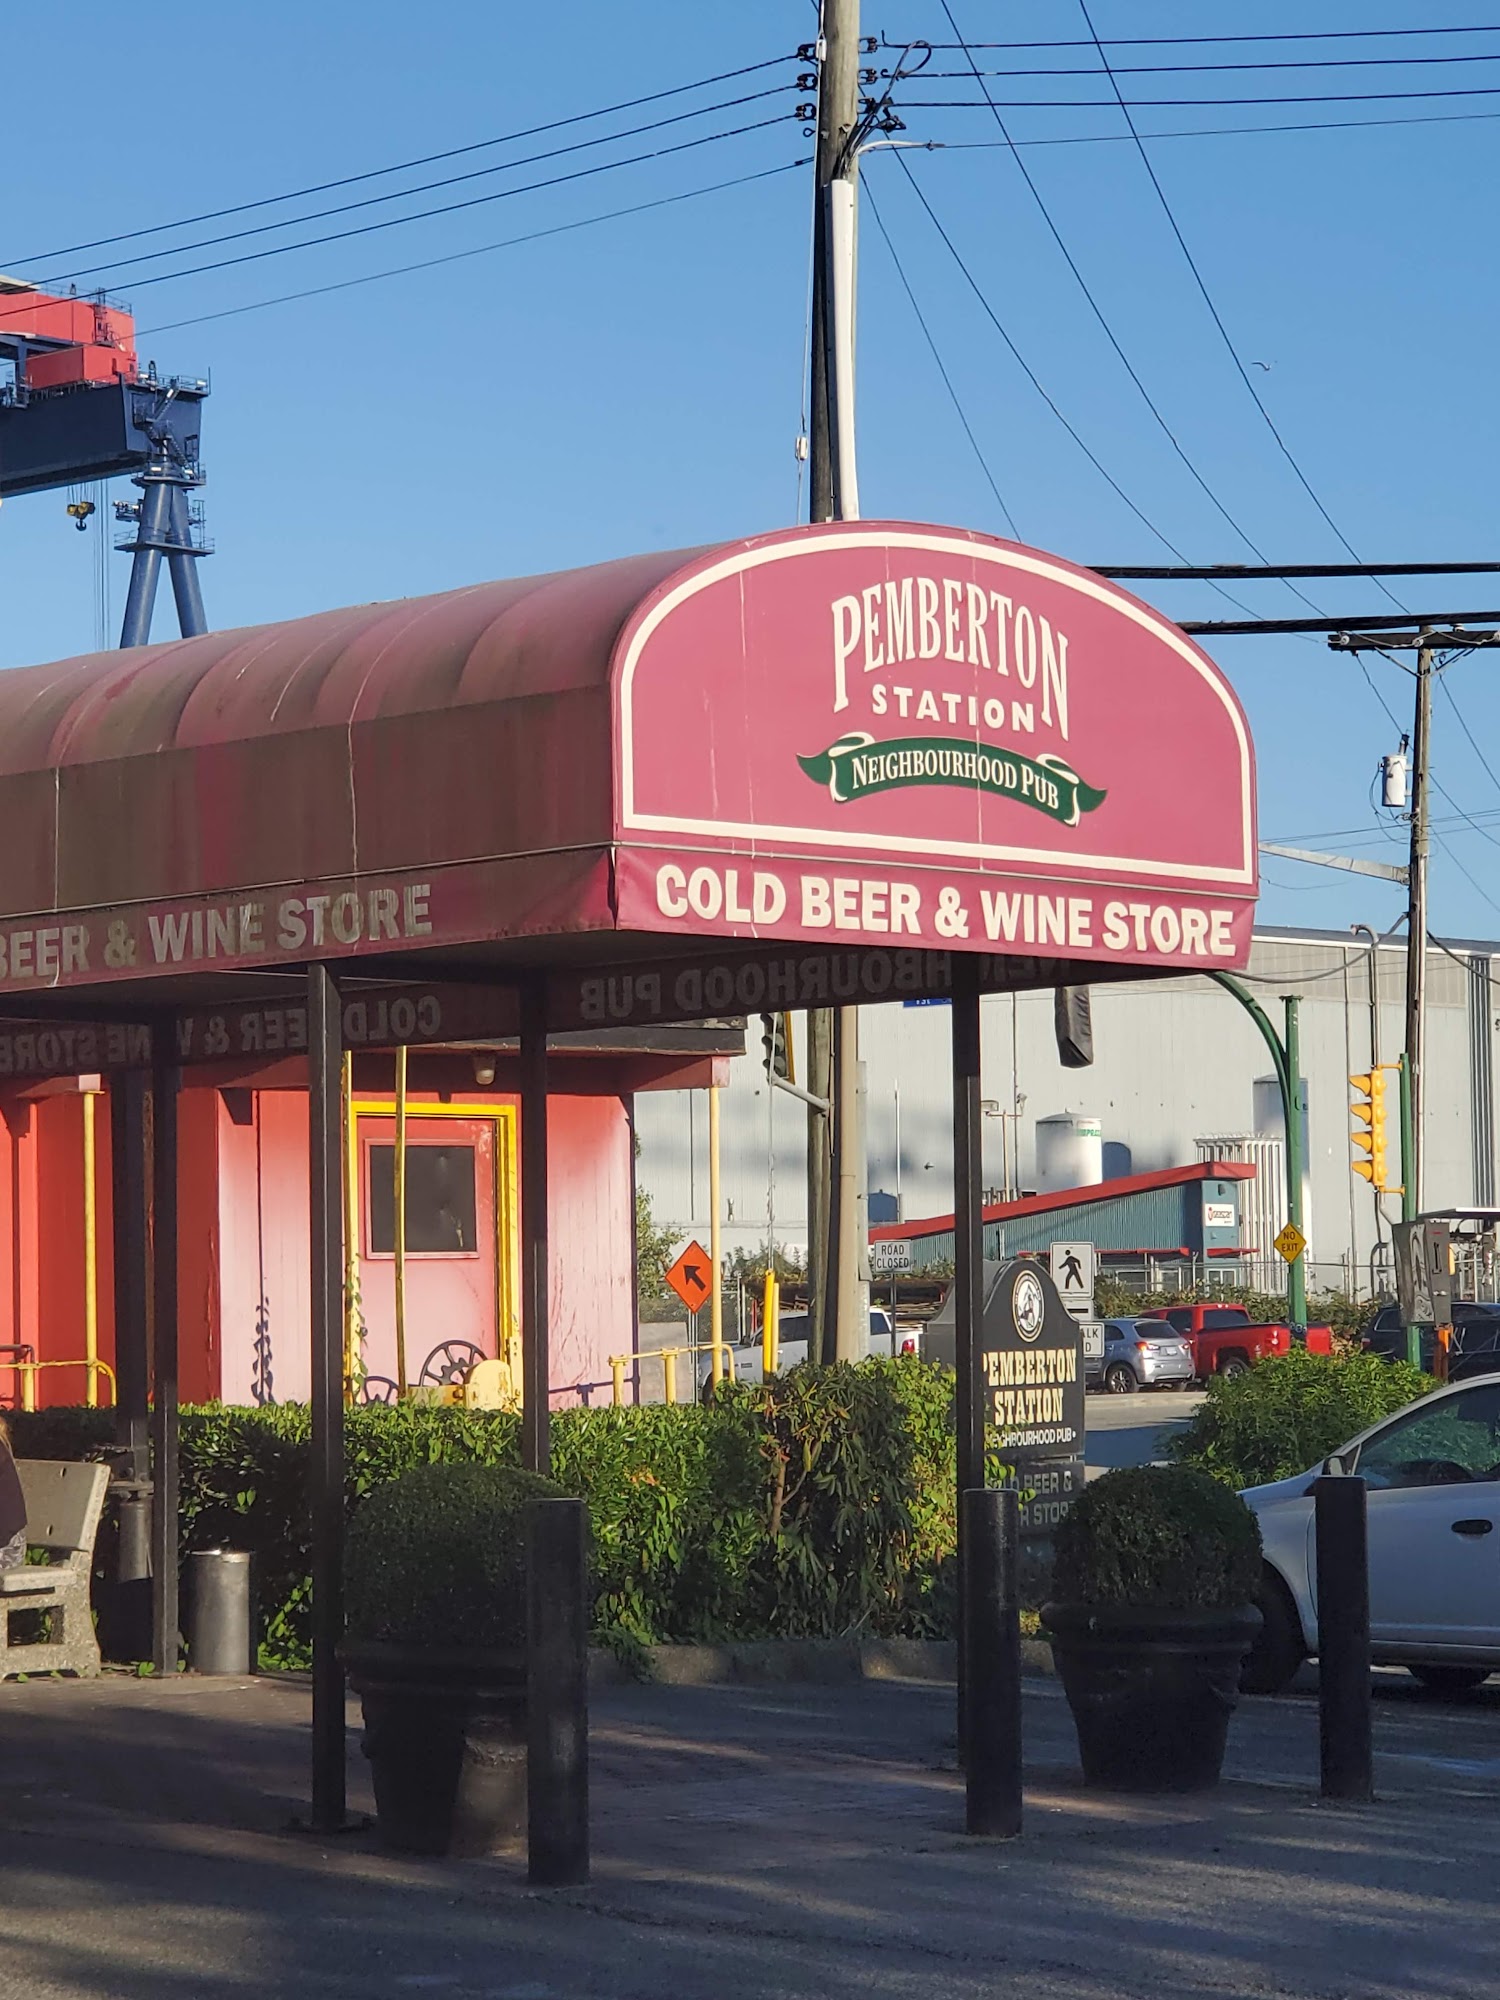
[618,1363]
[27,1369]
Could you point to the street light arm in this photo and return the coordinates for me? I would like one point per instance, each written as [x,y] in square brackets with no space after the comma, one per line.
[1262,1021]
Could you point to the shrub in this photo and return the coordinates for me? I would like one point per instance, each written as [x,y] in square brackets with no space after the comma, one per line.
[815,1505]
[1289,1412]
[1161,1538]
[437,1558]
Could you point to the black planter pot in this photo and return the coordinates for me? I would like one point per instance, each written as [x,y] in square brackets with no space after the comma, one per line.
[1151,1691]
[445,1733]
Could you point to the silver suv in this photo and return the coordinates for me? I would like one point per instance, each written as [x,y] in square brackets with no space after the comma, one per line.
[1145,1354]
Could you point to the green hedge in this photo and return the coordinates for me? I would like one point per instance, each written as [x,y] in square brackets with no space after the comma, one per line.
[1286,1414]
[815,1505]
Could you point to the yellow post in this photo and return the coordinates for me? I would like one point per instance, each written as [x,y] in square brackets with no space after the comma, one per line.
[770,1325]
[617,1374]
[669,1372]
[398,1193]
[351,1230]
[716,1296]
[90,1254]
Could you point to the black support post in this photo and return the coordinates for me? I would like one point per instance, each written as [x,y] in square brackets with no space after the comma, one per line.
[968,1275]
[130,1188]
[1344,1697]
[992,1664]
[557,1751]
[165,1080]
[125,1623]
[326,1204]
[536,1447]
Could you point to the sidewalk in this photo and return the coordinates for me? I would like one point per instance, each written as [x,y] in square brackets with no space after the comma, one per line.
[750,1844]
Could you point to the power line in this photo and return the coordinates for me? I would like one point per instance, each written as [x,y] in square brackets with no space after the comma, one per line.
[453,208]
[1213,68]
[479,250]
[459,257]
[1486,765]
[1213,310]
[1185,103]
[1029,372]
[953,396]
[401,166]
[1213,132]
[402,194]
[1468,874]
[1205,41]
[1109,332]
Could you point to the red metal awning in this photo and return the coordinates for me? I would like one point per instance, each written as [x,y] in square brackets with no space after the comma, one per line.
[862,735]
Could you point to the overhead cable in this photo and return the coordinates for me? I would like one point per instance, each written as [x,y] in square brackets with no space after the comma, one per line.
[927,334]
[402,194]
[399,167]
[1217,318]
[453,208]
[477,250]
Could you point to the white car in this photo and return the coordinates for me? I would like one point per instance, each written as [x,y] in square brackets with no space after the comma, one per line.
[1432,1475]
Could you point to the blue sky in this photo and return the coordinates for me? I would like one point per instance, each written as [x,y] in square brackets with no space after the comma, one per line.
[637,383]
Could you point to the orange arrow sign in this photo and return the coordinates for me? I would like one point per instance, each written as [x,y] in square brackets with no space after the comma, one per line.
[689,1276]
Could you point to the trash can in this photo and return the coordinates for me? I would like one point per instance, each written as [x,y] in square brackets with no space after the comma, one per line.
[217,1612]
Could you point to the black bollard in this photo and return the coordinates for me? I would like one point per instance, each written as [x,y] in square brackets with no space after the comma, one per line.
[991,1666]
[557,1749]
[1343,1638]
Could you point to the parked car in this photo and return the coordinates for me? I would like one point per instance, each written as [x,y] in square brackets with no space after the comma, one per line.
[1144,1354]
[1225,1340]
[1433,1479]
[1476,1336]
[884,1338]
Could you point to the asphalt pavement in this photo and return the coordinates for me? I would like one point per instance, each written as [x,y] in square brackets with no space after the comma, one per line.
[1131,1430]
[750,1843]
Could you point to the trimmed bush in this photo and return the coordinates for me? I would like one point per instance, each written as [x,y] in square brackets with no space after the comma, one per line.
[811,1506]
[437,1558]
[1288,1413]
[1157,1538]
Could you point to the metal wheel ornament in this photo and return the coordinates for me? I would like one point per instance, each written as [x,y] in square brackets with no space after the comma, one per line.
[449,1363]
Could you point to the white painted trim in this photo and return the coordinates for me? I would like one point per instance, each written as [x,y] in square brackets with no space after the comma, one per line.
[937,543]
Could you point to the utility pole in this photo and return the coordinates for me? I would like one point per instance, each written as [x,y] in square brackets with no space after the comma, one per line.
[1427,643]
[1416,910]
[832,1057]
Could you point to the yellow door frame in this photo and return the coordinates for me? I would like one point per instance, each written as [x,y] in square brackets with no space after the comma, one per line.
[507,1205]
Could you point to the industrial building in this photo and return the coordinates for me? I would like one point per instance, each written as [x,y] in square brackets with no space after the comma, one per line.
[1181,1076]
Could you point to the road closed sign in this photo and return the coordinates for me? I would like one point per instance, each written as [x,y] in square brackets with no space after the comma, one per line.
[887,1259]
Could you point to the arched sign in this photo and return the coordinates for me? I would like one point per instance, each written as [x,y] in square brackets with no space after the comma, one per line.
[899,735]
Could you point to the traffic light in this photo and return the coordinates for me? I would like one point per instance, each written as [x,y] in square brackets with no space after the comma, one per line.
[1368,1109]
[776,1040]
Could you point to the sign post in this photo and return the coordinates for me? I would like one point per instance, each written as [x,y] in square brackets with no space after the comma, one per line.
[689,1277]
[888,1259]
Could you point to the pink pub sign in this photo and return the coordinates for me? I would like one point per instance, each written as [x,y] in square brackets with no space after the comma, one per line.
[901,735]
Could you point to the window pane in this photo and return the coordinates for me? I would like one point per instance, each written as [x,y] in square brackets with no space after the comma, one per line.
[1454,1440]
[440,1204]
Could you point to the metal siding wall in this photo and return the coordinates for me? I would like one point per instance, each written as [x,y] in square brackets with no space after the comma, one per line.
[1177,1060]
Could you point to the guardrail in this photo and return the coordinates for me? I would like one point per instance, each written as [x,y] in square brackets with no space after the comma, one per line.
[27,1368]
[618,1363]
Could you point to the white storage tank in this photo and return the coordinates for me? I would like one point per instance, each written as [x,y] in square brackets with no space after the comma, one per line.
[1069,1151]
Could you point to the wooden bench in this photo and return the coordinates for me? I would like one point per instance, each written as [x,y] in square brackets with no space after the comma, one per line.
[63,1505]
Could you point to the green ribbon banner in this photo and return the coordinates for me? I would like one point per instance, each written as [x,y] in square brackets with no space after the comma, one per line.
[857,766]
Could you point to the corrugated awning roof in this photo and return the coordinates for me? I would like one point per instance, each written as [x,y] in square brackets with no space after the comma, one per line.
[1077,1197]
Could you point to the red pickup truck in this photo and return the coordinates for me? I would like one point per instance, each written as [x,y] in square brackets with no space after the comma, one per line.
[1226,1341]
